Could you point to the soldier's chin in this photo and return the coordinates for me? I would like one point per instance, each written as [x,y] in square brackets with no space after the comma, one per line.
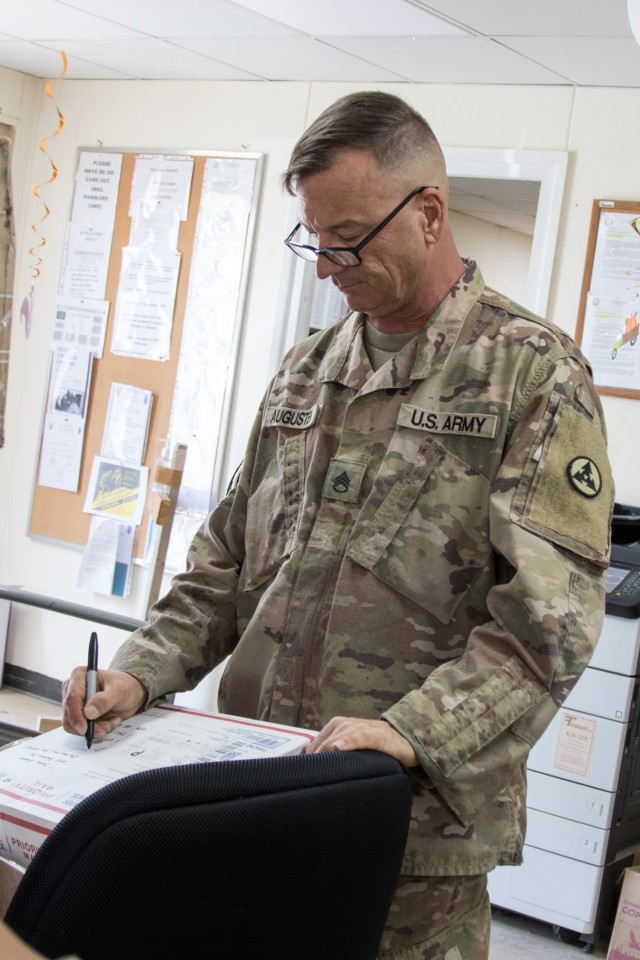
[354,296]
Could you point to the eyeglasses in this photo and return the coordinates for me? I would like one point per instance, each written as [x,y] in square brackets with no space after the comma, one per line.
[346,256]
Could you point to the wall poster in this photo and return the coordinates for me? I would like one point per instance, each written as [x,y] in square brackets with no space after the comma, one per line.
[608,325]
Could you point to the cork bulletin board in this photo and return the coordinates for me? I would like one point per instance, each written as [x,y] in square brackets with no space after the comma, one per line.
[208,308]
[608,327]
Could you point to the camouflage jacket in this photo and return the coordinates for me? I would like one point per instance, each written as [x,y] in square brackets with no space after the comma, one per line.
[423,544]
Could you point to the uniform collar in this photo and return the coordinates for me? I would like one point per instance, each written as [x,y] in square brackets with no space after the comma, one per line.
[346,359]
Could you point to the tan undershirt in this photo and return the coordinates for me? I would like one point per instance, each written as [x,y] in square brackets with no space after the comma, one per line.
[381,346]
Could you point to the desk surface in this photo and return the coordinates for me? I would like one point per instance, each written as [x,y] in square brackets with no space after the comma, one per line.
[20,710]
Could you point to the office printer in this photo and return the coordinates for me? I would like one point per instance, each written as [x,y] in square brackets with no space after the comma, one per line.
[583,795]
[622,578]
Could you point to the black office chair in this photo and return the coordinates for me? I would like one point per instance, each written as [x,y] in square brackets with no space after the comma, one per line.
[290,858]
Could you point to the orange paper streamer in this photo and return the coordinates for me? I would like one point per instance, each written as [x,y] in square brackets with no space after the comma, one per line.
[26,309]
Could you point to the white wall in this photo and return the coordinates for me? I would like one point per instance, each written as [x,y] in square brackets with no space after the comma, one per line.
[267,118]
[504,257]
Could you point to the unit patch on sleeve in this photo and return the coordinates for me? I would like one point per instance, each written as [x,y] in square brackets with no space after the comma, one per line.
[585,476]
[291,417]
[571,495]
[434,421]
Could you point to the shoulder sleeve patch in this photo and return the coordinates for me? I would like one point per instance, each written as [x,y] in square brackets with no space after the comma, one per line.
[571,495]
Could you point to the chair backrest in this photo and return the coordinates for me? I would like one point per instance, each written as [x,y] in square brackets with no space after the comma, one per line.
[294,858]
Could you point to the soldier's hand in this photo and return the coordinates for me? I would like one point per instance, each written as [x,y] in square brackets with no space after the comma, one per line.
[118,697]
[352,733]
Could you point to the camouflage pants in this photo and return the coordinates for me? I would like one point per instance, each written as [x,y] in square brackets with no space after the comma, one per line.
[438,918]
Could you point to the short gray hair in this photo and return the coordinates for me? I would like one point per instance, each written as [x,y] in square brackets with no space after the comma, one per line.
[393,132]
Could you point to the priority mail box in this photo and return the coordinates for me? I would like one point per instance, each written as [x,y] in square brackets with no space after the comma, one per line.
[43,777]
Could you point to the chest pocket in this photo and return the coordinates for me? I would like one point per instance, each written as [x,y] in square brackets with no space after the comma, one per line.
[273,512]
[428,538]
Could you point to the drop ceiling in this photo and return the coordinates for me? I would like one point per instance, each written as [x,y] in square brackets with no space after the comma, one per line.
[558,42]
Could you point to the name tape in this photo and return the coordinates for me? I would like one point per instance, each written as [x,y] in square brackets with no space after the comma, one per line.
[291,417]
[433,421]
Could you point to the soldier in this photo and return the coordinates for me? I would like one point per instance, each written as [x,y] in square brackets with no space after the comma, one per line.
[410,558]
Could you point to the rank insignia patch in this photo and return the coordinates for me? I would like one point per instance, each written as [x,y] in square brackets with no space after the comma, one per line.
[585,476]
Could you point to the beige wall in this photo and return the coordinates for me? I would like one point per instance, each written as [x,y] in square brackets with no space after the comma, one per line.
[266,118]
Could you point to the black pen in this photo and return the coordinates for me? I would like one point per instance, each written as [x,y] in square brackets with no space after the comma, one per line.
[92,681]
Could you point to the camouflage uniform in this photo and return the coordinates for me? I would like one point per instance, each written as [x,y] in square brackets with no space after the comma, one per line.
[423,544]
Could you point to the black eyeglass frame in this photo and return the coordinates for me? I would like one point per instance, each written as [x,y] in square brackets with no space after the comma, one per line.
[329,252]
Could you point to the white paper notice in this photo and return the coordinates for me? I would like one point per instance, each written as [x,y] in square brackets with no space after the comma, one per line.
[96,190]
[86,261]
[162,180]
[107,558]
[81,323]
[154,225]
[63,433]
[145,304]
[575,741]
[126,423]
[99,556]
[616,259]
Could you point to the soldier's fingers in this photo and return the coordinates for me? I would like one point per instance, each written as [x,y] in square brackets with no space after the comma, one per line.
[324,737]
[103,727]
[73,691]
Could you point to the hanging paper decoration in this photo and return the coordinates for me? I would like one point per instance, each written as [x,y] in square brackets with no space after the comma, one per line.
[26,310]
[7,265]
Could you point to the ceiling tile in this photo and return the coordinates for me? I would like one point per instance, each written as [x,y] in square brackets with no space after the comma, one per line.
[45,62]
[514,221]
[543,18]
[447,60]
[586,61]
[510,191]
[291,58]
[47,19]
[154,60]
[355,17]
[190,18]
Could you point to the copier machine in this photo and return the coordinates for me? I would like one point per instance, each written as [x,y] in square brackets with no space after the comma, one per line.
[583,800]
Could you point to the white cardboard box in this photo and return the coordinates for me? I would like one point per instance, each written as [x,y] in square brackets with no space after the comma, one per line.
[625,936]
[42,778]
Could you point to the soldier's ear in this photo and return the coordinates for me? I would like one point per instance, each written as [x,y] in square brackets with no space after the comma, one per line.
[433,209]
